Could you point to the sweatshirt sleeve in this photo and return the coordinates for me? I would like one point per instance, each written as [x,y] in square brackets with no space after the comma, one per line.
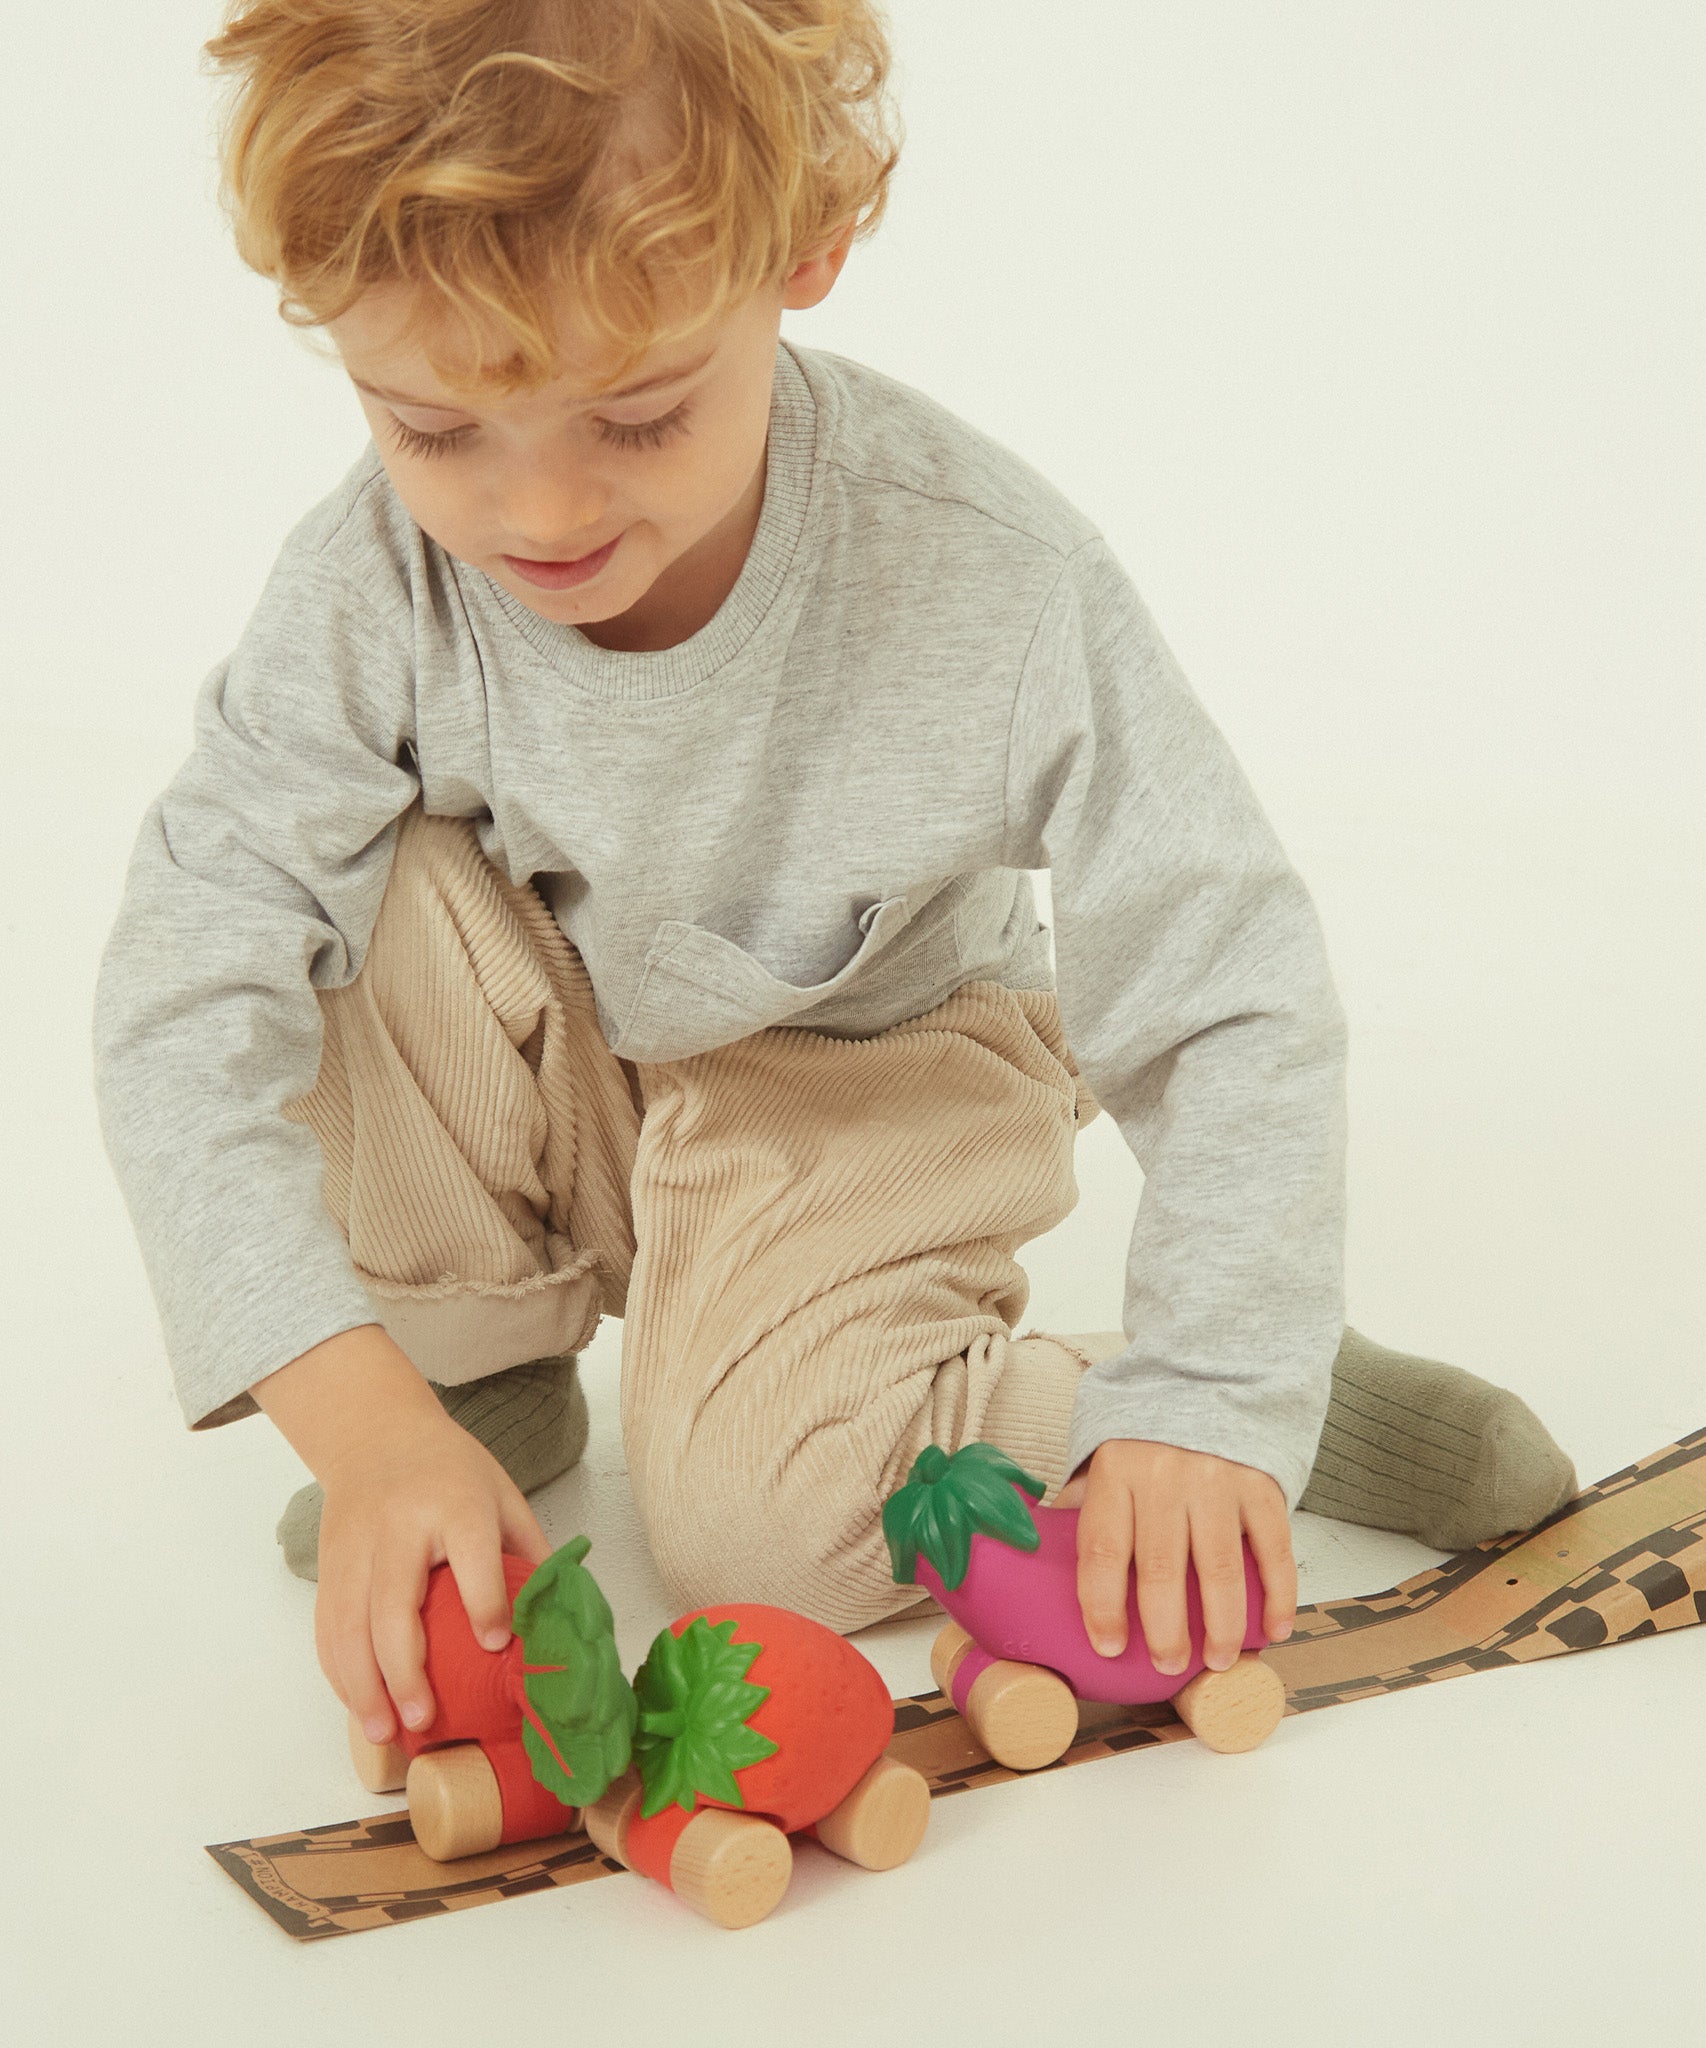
[255,881]
[1197,999]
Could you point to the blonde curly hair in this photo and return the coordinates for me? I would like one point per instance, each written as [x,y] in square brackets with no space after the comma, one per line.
[657,160]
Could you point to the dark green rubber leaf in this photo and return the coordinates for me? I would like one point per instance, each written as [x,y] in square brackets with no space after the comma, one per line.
[948,1500]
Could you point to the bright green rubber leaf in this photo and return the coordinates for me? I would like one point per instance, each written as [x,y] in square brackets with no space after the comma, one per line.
[579,1710]
[695,1701]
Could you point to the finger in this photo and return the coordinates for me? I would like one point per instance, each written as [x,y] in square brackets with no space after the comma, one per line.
[519,1528]
[1217,1550]
[1269,1529]
[1163,1548]
[474,1552]
[1104,1565]
[348,1661]
[399,1639]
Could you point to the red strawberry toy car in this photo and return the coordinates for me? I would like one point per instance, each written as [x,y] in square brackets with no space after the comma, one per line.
[755,1724]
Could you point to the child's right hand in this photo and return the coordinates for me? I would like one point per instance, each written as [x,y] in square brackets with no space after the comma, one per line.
[406,1489]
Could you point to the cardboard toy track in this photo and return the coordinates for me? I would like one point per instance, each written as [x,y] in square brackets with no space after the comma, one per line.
[1625,1559]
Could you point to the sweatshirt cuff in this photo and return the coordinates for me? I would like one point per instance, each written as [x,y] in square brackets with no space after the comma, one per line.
[1276,1434]
[215,1391]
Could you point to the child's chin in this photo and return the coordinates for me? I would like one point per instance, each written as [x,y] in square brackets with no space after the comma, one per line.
[571,607]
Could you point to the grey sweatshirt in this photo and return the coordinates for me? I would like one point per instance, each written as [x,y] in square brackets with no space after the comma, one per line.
[932,675]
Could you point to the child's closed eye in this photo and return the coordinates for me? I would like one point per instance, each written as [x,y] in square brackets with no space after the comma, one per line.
[648,434]
[413,442]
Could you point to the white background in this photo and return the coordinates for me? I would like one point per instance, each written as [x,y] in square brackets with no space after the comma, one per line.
[1371,336]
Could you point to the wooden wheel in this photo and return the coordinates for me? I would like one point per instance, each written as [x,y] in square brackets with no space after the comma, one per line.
[1235,1709]
[606,1820]
[882,1820]
[454,1803]
[1023,1715]
[945,1654]
[732,1867]
[381,1766]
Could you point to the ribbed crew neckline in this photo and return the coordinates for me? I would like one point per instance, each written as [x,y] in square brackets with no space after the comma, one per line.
[789,468]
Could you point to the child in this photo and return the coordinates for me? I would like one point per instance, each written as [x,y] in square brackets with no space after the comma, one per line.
[599,884]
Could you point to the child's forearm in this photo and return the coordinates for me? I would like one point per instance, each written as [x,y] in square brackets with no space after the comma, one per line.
[342,1393]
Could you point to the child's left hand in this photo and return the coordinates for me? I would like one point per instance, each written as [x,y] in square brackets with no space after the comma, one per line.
[1158,1506]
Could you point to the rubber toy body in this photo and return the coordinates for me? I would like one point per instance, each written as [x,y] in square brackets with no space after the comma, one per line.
[828,1713]
[479,1694]
[1023,1606]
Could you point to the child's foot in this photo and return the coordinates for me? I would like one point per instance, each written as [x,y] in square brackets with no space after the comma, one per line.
[1432,1451]
[532,1418]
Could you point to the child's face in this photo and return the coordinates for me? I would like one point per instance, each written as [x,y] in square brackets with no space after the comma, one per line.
[674,476]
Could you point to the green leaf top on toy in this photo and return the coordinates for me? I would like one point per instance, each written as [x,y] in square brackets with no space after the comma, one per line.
[695,1701]
[948,1500]
[578,1709]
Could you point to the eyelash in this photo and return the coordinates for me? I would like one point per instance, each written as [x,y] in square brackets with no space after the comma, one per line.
[650,434]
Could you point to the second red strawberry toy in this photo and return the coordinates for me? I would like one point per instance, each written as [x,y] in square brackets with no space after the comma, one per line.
[755,1724]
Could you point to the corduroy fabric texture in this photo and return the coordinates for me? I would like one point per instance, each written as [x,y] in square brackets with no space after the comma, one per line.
[810,1239]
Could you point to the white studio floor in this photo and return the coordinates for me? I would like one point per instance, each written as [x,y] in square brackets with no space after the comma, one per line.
[1392,406]
[1510,1859]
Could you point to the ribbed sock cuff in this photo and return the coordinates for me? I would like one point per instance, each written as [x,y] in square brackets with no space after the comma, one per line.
[1428,1449]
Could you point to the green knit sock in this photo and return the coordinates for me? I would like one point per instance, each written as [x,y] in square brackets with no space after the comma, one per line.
[1431,1451]
[532,1418]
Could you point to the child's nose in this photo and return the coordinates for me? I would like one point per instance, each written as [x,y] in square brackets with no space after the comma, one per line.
[555,515]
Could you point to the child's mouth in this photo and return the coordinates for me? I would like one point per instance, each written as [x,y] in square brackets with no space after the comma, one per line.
[560,575]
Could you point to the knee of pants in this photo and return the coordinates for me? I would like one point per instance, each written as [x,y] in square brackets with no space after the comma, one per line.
[810,1540]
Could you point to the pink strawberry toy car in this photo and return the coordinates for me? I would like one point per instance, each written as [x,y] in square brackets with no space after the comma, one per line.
[1015,1659]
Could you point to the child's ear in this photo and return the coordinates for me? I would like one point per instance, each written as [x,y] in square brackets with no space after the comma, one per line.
[809,281]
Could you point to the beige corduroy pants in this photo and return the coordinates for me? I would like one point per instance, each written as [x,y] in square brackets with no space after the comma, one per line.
[809,1239]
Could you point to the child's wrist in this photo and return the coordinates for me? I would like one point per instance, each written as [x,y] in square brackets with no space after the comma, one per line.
[343,1393]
